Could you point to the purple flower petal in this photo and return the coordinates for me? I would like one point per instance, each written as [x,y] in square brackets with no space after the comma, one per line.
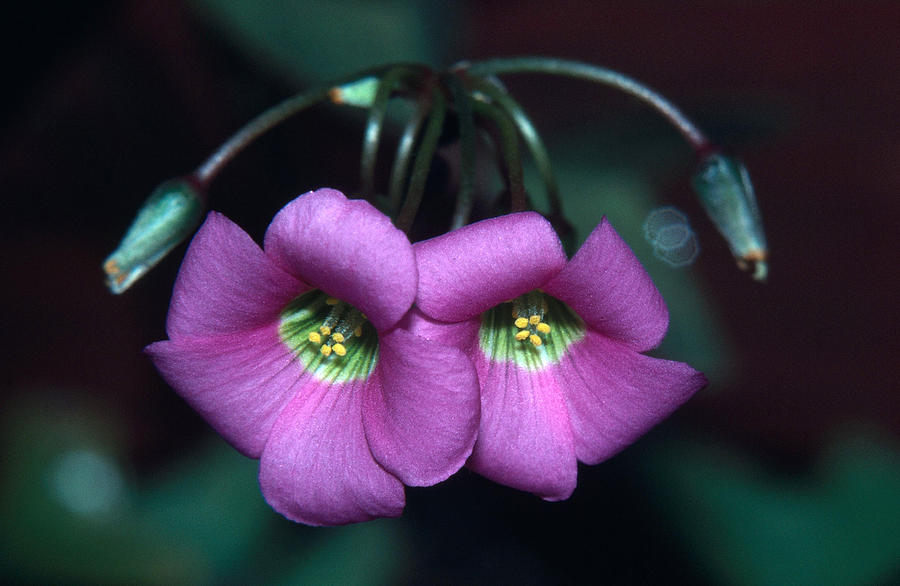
[317,468]
[421,410]
[227,284]
[615,395]
[524,440]
[239,383]
[607,286]
[466,272]
[462,335]
[348,249]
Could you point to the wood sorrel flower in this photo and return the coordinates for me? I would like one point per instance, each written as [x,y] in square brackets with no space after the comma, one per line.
[292,353]
[556,345]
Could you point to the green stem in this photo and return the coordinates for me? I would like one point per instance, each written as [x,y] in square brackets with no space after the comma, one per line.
[244,137]
[375,124]
[405,152]
[422,164]
[532,140]
[272,117]
[465,197]
[509,149]
[597,74]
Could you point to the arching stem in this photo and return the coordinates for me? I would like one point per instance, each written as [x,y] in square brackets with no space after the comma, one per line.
[375,124]
[422,164]
[509,150]
[247,134]
[532,140]
[404,153]
[467,146]
[602,75]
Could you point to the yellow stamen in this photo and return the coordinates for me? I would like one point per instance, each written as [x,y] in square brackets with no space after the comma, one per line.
[339,349]
[325,330]
[337,337]
[358,331]
[521,335]
[534,320]
[331,301]
[315,338]
[521,322]
[325,350]
[543,328]
[535,339]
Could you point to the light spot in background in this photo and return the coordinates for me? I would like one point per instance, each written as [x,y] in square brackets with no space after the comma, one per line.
[668,232]
[86,482]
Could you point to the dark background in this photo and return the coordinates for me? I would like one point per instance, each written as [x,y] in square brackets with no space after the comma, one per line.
[784,470]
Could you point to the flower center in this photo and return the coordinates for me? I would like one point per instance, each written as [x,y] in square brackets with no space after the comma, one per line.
[331,338]
[528,311]
[529,339]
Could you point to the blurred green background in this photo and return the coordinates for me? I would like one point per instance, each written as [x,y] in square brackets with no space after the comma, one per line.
[785,470]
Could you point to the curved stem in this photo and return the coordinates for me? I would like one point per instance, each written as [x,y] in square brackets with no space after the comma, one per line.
[375,125]
[206,172]
[247,134]
[509,147]
[465,197]
[532,140]
[404,152]
[422,164]
[597,74]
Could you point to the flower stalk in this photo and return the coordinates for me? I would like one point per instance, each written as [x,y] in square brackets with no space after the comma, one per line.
[422,163]
[602,75]
[467,146]
[392,80]
[508,145]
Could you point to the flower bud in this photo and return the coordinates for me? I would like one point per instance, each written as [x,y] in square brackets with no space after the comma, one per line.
[726,193]
[169,215]
[360,93]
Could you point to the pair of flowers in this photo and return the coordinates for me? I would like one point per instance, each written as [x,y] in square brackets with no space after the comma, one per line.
[352,362]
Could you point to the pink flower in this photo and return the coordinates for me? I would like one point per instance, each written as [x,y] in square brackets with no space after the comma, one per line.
[556,345]
[291,353]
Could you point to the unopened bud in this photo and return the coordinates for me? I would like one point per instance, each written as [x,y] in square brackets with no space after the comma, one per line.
[360,93]
[726,193]
[170,214]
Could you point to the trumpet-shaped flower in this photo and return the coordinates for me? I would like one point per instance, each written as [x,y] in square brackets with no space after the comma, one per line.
[557,345]
[292,354]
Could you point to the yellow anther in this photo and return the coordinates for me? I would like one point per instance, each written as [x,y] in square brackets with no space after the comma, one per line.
[337,337]
[339,349]
[325,350]
[535,339]
[521,335]
[534,320]
[543,328]
[315,338]
[331,301]
[325,330]
[521,322]
[357,331]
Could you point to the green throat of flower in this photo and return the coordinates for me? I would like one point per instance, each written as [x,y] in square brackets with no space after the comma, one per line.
[331,339]
[533,330]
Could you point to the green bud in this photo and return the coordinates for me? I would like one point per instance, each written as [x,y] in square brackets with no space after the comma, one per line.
[359,93]
[170,214]
[726,193]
